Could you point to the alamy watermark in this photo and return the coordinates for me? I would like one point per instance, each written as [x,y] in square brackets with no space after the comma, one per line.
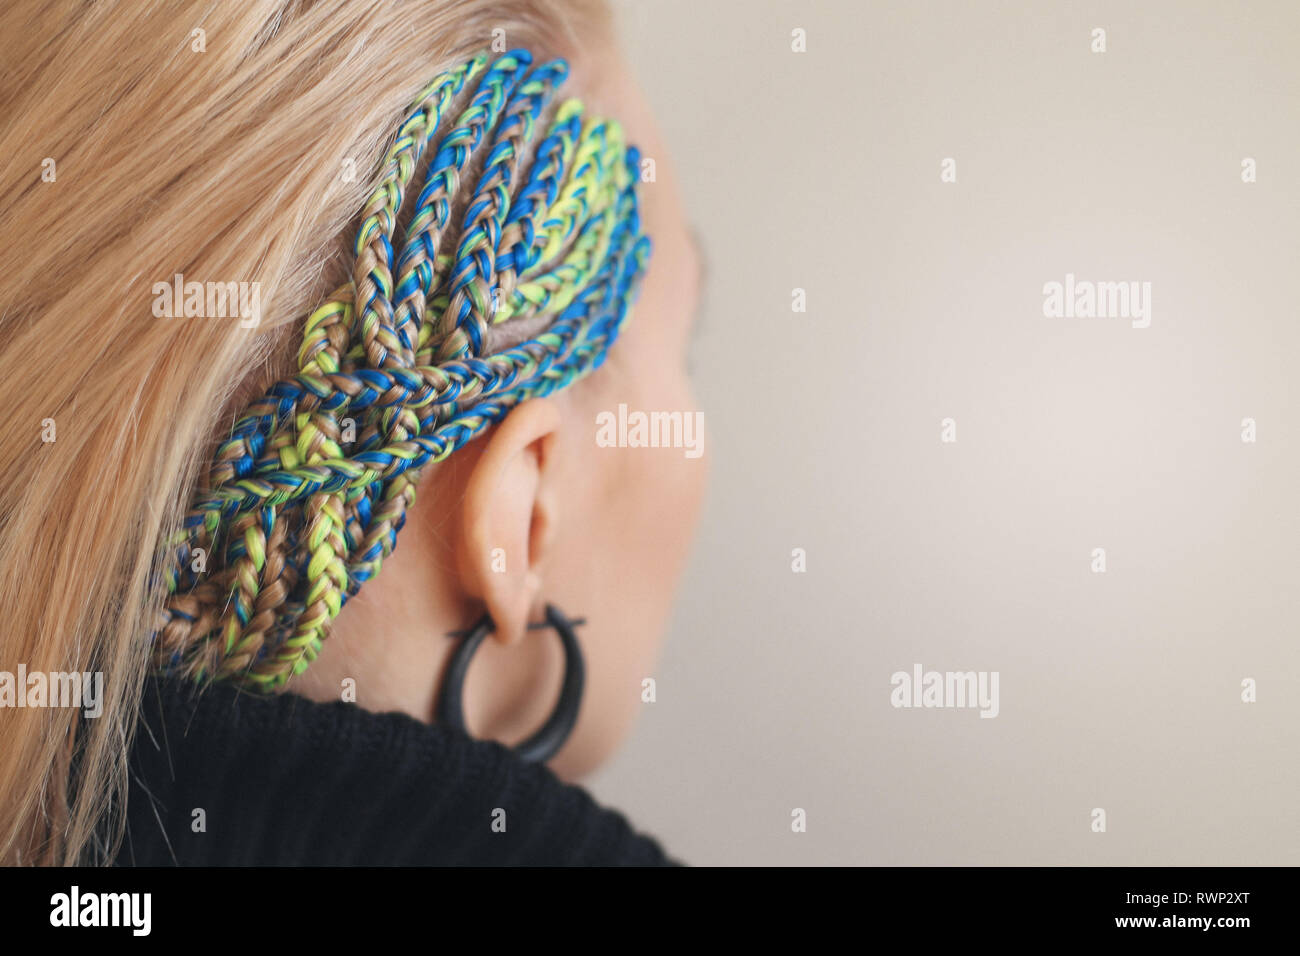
[80,689]
[1085,299]
[922,688]
[634,429]
[75,908]
[208,300]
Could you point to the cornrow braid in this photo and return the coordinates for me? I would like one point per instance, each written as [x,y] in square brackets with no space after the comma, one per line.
[297,511]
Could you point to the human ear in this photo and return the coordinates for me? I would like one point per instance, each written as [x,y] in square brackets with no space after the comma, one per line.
[508,517]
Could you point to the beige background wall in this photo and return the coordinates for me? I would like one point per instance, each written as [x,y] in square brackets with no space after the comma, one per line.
[1118,690]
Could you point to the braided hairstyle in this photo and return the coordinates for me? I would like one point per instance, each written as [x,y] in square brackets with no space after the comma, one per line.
[303,502]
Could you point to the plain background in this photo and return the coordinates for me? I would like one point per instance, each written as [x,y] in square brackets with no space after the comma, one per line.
[1120,690]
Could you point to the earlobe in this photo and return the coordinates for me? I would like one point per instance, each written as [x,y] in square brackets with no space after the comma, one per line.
[508,516]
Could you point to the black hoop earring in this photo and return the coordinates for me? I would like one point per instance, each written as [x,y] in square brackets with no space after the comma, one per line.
[544,744]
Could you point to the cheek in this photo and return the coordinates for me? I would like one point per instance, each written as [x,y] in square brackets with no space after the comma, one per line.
[629,524]
[659,487]
[627,515]
[645,500]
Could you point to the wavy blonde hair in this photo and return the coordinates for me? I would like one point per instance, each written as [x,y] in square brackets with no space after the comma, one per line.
[192,137]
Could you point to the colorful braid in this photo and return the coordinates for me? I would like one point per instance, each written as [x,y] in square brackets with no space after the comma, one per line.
[303,502]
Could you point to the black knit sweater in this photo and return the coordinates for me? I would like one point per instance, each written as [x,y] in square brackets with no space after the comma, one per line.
[283,780]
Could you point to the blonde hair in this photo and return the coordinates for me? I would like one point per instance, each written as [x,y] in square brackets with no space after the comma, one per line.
[193,137]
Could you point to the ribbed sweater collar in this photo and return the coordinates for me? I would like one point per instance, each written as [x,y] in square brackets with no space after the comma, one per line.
[220,777]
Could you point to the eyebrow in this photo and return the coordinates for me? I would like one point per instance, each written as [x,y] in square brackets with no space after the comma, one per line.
[702,279]
[701,260]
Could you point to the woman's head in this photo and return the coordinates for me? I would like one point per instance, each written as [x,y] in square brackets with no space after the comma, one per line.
[238,146]
[541,509]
